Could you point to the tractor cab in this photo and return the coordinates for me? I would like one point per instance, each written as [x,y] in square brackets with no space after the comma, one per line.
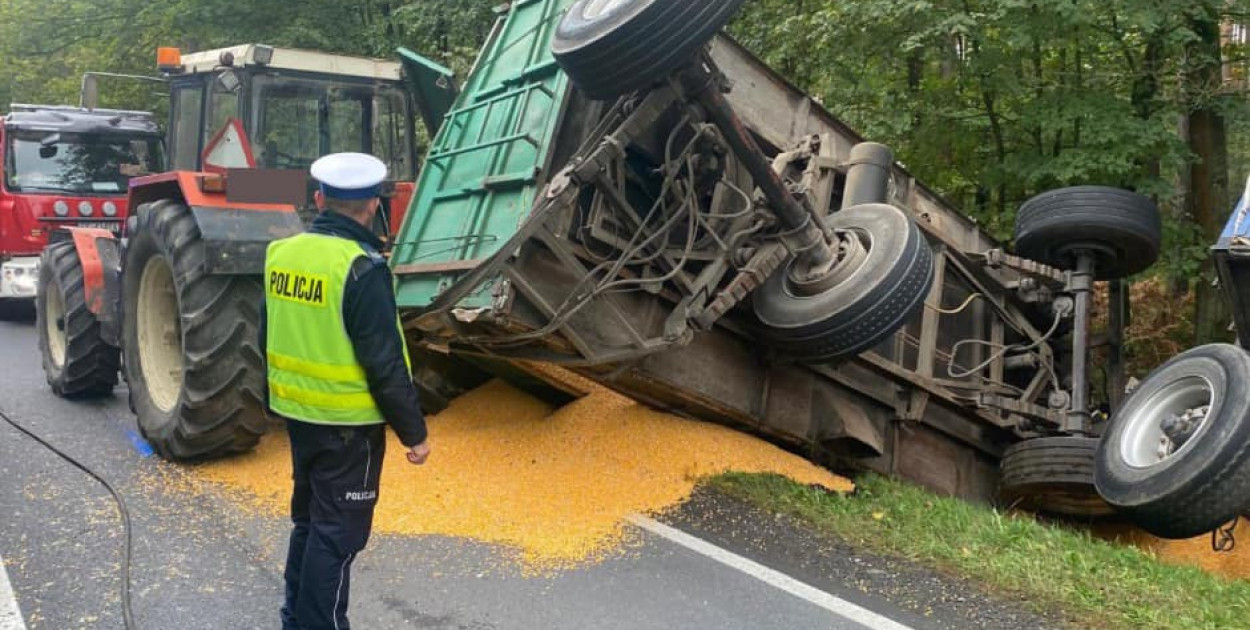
[261,107]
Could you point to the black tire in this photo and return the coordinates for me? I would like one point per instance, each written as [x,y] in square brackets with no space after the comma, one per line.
[1204,483]
[196,389]
[1053,475]
[441,378]
[1121,229]
[612,50]
[76,360]
[865,308]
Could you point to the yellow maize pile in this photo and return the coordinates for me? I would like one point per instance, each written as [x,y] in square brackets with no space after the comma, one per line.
[1195,552]
[555,486]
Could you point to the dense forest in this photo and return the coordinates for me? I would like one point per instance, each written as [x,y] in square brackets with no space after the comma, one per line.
[989,101]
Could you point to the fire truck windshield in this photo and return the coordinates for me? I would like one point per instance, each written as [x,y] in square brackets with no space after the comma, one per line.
[79,163]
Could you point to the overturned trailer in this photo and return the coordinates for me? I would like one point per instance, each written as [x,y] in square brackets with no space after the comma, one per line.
[656,209]
[623,191]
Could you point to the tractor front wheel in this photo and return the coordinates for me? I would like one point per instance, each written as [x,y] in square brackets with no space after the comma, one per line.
[76,360]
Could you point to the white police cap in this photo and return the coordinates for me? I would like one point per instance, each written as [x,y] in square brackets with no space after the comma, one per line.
[350,175]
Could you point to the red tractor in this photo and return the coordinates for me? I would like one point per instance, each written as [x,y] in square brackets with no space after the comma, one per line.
[178,293]
[64,167]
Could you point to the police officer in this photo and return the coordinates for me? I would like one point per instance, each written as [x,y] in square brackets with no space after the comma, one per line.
[338,372]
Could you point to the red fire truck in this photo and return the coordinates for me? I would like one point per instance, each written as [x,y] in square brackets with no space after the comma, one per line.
[64,167]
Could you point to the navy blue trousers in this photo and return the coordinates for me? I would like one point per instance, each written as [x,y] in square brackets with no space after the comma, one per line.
[337,472]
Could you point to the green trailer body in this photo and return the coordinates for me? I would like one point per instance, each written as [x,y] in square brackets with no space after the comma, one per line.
[485,165]
[485,253]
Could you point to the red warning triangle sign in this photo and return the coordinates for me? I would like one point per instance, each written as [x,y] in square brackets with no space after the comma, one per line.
[228,149]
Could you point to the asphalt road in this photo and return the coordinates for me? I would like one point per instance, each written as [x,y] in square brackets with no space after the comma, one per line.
[202,562]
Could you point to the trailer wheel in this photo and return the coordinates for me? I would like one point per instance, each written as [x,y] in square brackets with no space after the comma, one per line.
[614,47]
[1121,229]
[76,360]
[192,361]
[1053,475]
[1176,457]
[883,277]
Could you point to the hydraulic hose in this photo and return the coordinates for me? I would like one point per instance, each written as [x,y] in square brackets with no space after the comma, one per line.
[127,615]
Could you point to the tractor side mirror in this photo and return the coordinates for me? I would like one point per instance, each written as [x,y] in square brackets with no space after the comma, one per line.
[227,82]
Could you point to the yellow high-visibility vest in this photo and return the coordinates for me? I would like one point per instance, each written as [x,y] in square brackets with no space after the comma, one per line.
[313,372]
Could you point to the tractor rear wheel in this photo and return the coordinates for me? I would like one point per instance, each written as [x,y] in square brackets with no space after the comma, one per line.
[76,360]
[192,357]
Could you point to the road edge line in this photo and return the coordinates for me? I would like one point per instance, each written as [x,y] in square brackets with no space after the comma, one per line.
[10,612]
[772,577]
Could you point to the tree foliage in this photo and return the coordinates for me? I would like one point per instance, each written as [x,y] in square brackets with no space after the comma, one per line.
[992,101]
[989,101]
[46,45]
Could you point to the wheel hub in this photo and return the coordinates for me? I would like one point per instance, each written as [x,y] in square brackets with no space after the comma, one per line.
[850,249]
[1177,429]
[54,322]
[1163,426]
[160,334]
[1102,253]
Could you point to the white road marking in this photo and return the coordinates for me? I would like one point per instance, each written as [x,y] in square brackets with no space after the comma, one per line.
[10,614]
[779,580]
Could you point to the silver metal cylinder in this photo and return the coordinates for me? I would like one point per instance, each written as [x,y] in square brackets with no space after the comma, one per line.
[868,175]
[1082,289]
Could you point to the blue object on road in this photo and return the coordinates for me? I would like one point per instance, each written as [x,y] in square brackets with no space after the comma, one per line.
[141,445]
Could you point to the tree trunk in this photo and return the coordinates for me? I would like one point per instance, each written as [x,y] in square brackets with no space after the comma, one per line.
[1209,203]
[1000,152]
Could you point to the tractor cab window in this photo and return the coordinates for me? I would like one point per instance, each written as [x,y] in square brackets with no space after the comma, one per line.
[188,110]
[290,128]
[79,163]
[297,121]
[222,106]
[392,134]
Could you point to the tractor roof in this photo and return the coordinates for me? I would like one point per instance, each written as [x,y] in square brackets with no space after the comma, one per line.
[257,55]
[77,120]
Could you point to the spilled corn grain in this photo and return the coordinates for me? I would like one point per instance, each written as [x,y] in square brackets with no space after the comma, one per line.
[555,485]
[1195,552]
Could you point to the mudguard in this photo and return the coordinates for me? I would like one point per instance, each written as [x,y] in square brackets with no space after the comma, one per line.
[236,226]
[99,252]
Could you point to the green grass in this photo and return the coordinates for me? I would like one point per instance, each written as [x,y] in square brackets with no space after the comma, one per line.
[1053,569]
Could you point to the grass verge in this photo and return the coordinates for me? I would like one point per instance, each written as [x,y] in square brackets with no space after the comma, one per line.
[1094,582]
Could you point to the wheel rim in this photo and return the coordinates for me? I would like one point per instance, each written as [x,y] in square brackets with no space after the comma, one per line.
[596,9]
[160,334]
[54,323]
[1146,441]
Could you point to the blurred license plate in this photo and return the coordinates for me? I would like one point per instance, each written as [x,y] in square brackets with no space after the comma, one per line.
[112,226]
